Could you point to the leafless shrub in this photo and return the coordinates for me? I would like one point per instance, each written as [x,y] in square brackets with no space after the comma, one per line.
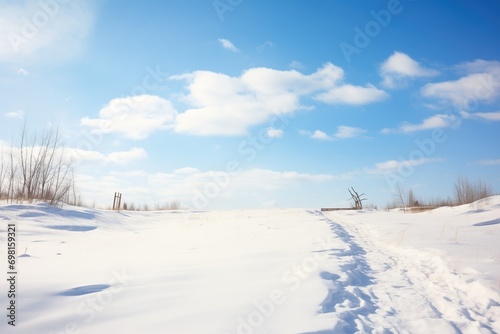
[175,205]
[400,197]
[412,200]
[131,206]
[37,168]
[467,192]
[3,175]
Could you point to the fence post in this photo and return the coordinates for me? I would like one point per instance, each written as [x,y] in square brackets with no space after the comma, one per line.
[117,201]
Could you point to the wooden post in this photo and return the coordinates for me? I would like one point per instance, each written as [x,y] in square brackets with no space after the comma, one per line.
[117,201]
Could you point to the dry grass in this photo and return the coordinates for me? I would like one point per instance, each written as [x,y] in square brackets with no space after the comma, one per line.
[465,192]
[131,206]
[417,209]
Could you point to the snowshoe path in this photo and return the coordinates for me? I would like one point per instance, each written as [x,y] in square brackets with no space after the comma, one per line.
[377,288]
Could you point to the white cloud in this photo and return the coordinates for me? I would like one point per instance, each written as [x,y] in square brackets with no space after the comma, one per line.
[480,84]
[226,44]
[133,117]
[433,122]
[188,185]
[225,105]
[350,94]
[320,135]
[479,66]
[391,166]
[186,170]
[219,104]
[343,132]
[266,178]
[22,71]
[34,30]
[123,158]
[297,65]
[274,133]
[265,45]
[485,116]
[118,158]
[88,157]
[15,114]
[488,162]
[348,132]
[399,68]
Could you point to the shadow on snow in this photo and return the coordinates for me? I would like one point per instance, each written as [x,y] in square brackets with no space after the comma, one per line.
[44,209]
[345,295]
[84,290]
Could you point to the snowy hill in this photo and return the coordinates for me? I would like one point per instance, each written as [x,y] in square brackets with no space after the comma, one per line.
[254,271]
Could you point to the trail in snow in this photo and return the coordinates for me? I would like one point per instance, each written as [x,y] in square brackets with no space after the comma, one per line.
[346,299]
[379,289]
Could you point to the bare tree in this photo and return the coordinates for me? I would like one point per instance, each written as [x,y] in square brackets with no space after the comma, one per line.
[356,198]
[400,196]
[37,168]
[412,201]
[12,175]
[468,192]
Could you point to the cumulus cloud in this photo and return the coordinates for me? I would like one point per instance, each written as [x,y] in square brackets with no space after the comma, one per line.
[295,64]
[188,185]
[265,45]
[186,170]
[343,132]
[354,95]
[348,132]
[488,162]
[433,122]
[219,104]
[399,68]
[270,178]
[123,158]
[274,133]
[320,135]
[485,116]
[117,158]
[22,71]
[479,84]
[226,105]
[228,45]
[34,30]
[133,117]
[391,166]
[15,114]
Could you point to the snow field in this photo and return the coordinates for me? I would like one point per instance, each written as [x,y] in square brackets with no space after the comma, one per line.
[255,271]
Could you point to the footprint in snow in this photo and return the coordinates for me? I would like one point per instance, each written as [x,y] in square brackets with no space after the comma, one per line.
[71,228]
[84,290]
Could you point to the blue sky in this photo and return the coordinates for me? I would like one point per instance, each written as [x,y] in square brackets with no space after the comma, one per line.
[247,104]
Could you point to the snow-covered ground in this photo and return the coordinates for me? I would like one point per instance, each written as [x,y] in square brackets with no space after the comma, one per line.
[254,271]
